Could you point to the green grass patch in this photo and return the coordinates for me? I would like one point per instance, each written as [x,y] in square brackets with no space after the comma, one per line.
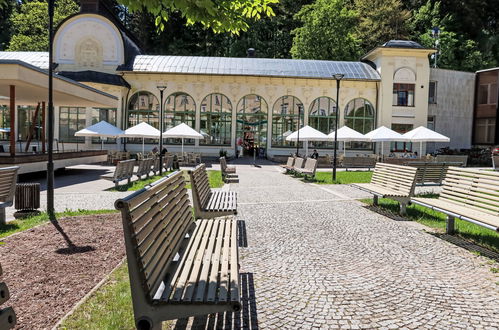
[110,307]
[215,178]
[30,222]
[343,177]
[467,230]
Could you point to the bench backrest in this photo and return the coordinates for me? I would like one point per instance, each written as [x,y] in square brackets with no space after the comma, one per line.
[431,171]
[290,162]
[168,161]
[124,169]
[395,177]
[8,179]
[472,188]
[358,162]
[223,164]
[452,158]
[7,315]
[200,186]
[310,165]
[299,162]
[155,222]
[144,166]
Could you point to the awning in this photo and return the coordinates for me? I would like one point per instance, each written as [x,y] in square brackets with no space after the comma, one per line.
[31,86]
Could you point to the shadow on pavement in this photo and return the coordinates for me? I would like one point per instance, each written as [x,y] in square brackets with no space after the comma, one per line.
[247,318]
[64,178]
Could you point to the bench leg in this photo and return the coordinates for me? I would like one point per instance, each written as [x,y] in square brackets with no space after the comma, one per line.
[449,228]
[375,200]
[3,221]
[403,207]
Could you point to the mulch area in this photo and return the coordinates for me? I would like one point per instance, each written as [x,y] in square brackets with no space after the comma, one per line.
[46,279]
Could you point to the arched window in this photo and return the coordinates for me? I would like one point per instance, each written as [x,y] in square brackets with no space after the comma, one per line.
[143,107]
[359,115]
[251,122]
[216,120]
[287,115]
[322,117]
[179,108]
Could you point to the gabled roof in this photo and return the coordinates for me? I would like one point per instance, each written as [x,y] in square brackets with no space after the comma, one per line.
[253,67]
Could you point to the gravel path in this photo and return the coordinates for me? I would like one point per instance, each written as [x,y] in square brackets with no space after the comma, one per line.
[317,258]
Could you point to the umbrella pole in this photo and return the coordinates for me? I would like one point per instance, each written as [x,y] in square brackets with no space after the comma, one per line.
[382,144]
[344,148]
[142,146]
[182,147]
[101,144]
[421,149]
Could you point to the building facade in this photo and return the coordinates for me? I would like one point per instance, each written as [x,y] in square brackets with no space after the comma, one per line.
[486,110]
[258,101]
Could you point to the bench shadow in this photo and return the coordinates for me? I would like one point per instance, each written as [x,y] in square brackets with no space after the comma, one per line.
[467,245]
[242,239]
[247,318]
[387,213]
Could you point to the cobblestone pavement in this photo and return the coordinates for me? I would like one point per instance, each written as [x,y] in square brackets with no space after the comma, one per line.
[316,258]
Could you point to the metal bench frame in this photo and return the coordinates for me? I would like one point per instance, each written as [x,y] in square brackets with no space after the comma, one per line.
[123,171]
[8,179]
[178,267]
[469,195]
[208,203]
[391,181]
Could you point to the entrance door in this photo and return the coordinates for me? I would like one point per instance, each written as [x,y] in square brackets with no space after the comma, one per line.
[251,133]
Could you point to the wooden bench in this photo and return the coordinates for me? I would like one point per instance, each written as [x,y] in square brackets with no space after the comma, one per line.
[395,182]
[208,203]
[178,267]
[470,195]
[289,164]
[463,159]
[358,162]
[167,164]
[8,318]
[228,172]
[299,163]
[123,171]
[309,168]
[431,172]
[144,167]
[8,179]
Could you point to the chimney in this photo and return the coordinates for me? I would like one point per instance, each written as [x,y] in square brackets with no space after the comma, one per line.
[89,6]
[251,52]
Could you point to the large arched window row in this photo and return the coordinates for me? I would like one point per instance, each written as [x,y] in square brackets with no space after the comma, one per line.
[322,117]
[179,108]
[251,123]
[360,116]
[216,120]
[287,117]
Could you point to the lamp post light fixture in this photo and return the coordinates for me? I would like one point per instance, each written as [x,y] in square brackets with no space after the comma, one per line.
[161,89]
[338,78]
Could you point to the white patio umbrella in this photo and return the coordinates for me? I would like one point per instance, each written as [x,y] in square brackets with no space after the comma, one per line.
[382,134]
[346,134]
[142,130]
[307,133]
[423,134]
[182,131]
[102,130]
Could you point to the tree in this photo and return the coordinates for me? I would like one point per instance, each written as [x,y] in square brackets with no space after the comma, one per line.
[218,15]
[455,50]
[328,32]
[29,24]
[381,21]
[5,26]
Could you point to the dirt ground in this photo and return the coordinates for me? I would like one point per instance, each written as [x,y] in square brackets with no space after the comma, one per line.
[46,278]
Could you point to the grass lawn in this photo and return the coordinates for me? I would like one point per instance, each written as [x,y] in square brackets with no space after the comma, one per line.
[343,177]
[20,225]
[482,236]
[215,178]
[110,307]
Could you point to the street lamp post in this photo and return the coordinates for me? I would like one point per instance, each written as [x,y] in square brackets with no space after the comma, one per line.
[50,122]
[338,78]
[298,137]
[161,90]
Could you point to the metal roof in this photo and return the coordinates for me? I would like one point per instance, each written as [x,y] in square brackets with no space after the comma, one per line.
[253,67]
[227,66]
[38,59]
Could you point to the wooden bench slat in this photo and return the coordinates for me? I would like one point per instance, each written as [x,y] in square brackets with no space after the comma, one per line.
[203,276]
[215,268]
[224,273]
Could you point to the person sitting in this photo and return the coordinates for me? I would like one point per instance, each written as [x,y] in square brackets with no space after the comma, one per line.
[392,154]
[315,154]
[164,151]
[154,150]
